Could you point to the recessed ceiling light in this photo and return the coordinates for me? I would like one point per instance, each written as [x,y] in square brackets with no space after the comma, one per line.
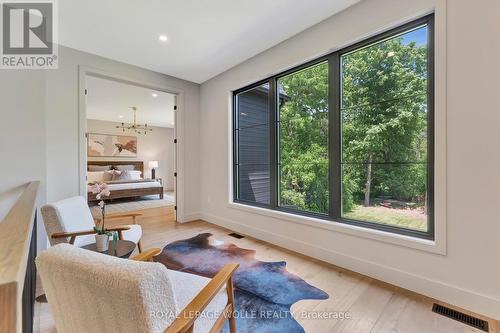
[163,38]
[120,116]
[154,95]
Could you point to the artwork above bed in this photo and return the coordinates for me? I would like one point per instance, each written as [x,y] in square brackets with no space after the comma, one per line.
[106,145]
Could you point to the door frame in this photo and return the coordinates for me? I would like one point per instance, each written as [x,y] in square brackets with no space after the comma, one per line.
[179,132]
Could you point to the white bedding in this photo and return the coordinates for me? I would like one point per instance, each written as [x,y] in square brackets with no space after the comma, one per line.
[130,186]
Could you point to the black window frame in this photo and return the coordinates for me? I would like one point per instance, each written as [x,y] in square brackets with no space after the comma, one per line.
[335,134]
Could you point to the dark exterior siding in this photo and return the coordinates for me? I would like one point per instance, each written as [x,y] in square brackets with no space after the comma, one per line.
[253,145]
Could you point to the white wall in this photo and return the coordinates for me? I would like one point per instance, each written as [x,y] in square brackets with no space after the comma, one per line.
[39,129]
[22,138]
[468,274]
[63,123]
[156,145]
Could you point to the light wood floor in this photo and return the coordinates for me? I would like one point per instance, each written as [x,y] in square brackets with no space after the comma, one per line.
[373,306]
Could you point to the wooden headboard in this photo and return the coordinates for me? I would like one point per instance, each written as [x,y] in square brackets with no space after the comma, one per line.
[138,165]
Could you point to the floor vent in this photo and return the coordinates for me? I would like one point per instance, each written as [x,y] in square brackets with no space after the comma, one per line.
[235,235]
[461,317]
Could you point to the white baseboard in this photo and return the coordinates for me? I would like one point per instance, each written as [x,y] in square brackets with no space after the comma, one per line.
[191,217]
[466,299]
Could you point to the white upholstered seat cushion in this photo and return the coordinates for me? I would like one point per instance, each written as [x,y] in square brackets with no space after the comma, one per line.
[93,292]
[186,287]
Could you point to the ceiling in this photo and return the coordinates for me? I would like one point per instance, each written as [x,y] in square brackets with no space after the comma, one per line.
[111,101]
[205,38]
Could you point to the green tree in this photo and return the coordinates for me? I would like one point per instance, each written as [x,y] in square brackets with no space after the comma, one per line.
[304,139]
[384,118]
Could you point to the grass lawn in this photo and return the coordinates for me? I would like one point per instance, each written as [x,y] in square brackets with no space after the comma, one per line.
[406,218]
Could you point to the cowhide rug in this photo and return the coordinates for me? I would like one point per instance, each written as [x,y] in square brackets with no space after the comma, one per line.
[264,291]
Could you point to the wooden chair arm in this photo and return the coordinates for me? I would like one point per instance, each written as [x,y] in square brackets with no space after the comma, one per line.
[185,320]
[120,216]
[119,228]
[147,255]
[71,234]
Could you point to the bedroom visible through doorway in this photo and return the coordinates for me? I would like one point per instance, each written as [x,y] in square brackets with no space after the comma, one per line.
[130,134]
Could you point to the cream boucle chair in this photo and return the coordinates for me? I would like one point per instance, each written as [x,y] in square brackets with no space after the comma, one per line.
[93,292]
[70,221]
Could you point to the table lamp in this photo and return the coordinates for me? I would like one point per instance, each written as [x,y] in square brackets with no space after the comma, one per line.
[153,165]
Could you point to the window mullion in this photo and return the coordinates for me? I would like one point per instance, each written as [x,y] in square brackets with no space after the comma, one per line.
[235,149]
[430,129]
[334,136]
[273,142]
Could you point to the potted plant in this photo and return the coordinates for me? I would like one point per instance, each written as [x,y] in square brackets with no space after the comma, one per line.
[101,191]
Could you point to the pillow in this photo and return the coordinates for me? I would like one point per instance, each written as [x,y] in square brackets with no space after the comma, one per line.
[95,176]
[127,175]
[108,175]
[135,174]
[92,167]
[124,167]
[115,174]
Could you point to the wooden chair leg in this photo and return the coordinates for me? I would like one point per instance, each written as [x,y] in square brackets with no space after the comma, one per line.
[230,299]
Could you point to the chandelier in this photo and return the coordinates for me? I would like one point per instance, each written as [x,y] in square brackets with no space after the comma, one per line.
[137,128]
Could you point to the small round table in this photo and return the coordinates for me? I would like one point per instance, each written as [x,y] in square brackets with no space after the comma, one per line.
[119,248]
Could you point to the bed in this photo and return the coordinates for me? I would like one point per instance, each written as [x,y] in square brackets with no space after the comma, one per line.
[102,171]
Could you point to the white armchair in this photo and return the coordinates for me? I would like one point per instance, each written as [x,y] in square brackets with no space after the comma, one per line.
[93,292]
[70,221]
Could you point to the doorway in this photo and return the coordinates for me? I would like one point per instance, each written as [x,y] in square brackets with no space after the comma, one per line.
[130,142]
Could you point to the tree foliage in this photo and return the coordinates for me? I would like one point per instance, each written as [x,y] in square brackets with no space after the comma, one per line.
[304,139]
[384,128]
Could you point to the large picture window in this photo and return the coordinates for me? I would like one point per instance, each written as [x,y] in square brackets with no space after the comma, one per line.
[348,137]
